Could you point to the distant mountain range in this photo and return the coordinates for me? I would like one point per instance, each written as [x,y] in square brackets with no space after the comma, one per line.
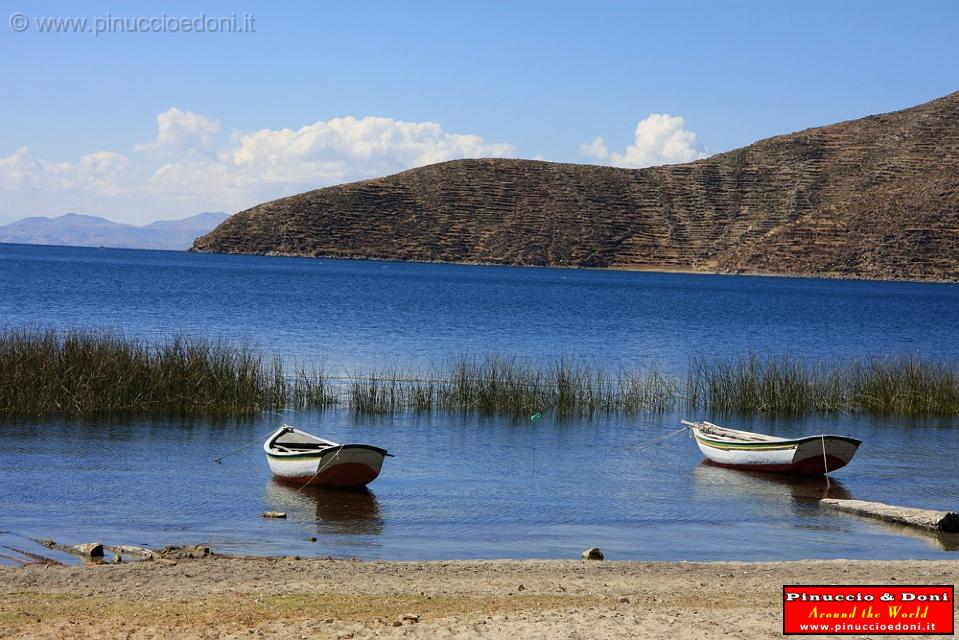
[77,230]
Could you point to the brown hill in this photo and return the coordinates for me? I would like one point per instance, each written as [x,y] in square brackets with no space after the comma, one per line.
[871,198]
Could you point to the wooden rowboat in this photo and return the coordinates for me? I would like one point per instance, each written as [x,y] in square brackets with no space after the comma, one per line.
[301,458]
[812,455]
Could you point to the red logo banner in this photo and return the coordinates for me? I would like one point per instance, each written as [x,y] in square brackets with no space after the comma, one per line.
[868,609]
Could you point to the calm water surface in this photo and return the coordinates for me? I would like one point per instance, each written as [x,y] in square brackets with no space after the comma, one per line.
[468,487]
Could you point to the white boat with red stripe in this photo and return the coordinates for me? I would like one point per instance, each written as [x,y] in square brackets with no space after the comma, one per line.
[812,455]
[299,457]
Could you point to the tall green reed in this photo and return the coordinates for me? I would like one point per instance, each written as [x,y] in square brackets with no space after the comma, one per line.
[44,372]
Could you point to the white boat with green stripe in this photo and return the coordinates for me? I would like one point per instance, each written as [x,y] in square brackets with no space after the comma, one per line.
[811,455]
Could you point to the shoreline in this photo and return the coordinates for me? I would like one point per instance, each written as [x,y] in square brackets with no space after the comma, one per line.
[661,269]
[293,598]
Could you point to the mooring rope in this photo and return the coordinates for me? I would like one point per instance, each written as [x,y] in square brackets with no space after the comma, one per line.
[658,439]
[321,468]
[219,460]
[825,462]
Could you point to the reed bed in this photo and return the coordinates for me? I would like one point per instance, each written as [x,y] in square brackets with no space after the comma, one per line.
[507,385]
[100,372]
[787,385]
[904,386]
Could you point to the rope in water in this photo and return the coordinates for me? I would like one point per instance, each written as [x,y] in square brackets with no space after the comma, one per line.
[650,443]
[360,378]
[320,468]
[825,462]
[219,460]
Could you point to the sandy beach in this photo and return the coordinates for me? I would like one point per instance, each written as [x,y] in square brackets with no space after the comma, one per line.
[291,598]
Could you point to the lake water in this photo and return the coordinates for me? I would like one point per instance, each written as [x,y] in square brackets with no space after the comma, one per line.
[467,486]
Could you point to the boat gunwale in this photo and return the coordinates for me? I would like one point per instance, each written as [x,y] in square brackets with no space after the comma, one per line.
[268,446]
[723,441]
[782,444]
[286,455]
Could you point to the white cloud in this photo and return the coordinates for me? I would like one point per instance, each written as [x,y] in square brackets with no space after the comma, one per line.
[195,174]
[181,131]
[350,148]
[658,139]
[103,173]
[271,163]
[595,149]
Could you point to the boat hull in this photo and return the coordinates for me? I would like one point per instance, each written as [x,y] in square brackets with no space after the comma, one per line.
[814,455]
[348,465]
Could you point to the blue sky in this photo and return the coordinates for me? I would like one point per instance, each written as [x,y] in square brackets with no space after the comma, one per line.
[528,79]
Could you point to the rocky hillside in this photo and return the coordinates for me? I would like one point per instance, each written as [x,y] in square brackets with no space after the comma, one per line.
[871,198]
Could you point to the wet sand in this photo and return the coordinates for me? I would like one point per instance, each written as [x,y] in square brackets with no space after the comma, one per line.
[288,598]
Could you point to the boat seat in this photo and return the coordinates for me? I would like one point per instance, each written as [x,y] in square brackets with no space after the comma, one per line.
[307,446]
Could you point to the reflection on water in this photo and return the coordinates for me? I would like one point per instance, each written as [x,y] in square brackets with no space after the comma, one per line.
[709,477]
[469,487]
[935,539]
[334,511]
